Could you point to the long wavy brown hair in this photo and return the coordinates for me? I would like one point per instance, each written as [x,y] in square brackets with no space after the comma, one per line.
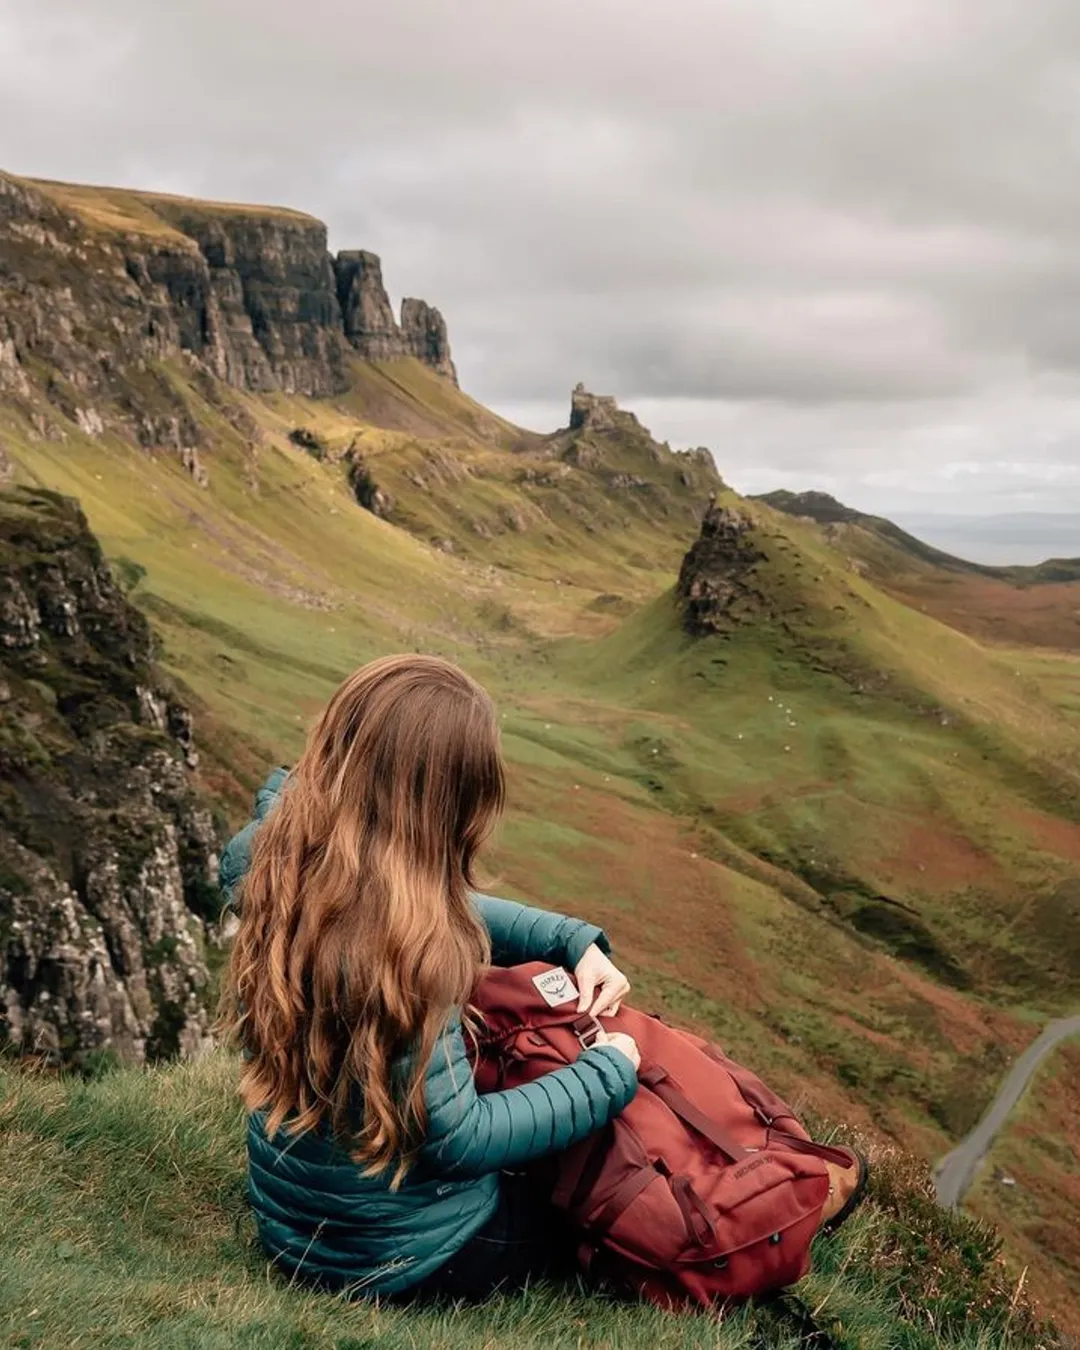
[357,936]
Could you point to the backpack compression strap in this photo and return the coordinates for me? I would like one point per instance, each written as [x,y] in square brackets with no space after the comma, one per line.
[656,1080]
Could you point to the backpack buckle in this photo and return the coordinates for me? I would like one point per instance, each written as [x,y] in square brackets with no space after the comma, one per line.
[588,1030]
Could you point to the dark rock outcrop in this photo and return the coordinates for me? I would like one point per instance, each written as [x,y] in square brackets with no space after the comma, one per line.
[306,439]
[189,458]
[583,455]
[698,464]
[369,322]
[251,295]
[717,585]
[606,470]
[366,491]
[367,318]
[107,852]
[599,427]
[597,422]
[596,412]
[423,331]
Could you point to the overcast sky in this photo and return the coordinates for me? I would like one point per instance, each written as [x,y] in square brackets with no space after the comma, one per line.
[836,241]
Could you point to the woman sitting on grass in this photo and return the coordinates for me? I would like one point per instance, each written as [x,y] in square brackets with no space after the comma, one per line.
[374,1166]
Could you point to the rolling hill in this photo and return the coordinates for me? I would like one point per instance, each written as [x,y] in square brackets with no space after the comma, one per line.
[818,816]
[1021,605]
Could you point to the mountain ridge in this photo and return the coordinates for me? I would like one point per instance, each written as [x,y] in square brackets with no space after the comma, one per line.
[827,510]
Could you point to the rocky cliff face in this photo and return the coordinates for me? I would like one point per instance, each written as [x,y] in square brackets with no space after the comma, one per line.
[717,584]
[367,317]
[261,308]
[369,322]
[423,332]
[107,853]
[95,288]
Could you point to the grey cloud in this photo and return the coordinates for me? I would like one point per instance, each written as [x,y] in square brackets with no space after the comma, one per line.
[834,231]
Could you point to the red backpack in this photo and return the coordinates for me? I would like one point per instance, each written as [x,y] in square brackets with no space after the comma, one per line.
[705,1188]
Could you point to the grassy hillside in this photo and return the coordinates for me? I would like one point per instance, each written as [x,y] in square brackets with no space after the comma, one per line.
[125,1225]
[842,836]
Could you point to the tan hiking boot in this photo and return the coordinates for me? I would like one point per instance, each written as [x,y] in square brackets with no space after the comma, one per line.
[847,1185]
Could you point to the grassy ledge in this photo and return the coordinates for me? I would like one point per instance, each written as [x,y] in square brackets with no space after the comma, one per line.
[125,1225]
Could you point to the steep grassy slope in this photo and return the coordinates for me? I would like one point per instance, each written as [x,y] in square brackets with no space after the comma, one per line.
[838,834]
[125,1225]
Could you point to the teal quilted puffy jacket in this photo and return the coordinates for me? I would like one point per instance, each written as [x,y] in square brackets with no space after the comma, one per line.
[321,1219]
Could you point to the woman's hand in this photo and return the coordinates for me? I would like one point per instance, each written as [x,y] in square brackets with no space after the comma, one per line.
[626,1045]
[602,986]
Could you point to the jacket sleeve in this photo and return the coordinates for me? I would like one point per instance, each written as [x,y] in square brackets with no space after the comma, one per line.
[469,1135]
[520,933]
[236,857]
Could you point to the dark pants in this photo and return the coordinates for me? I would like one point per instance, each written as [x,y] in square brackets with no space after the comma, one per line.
[525,1240]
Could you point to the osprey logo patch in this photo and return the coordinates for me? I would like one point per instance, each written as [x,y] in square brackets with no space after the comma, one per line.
[555,987]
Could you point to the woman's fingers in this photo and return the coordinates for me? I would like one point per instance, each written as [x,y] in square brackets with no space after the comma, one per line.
[591,973]
[611,994]
[620,1041]
[601,984]
[586,986]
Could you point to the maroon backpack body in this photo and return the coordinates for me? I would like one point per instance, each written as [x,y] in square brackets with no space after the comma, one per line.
[706,1188]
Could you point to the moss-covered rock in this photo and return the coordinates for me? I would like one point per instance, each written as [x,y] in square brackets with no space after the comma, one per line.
[107,852]
[717,583]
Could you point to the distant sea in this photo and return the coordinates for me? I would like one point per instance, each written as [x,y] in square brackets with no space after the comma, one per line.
[1023,537]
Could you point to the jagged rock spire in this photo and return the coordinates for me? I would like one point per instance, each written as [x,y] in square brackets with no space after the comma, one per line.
[369,323]
[716,581]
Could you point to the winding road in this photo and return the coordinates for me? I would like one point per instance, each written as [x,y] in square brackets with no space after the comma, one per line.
[956,1171]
